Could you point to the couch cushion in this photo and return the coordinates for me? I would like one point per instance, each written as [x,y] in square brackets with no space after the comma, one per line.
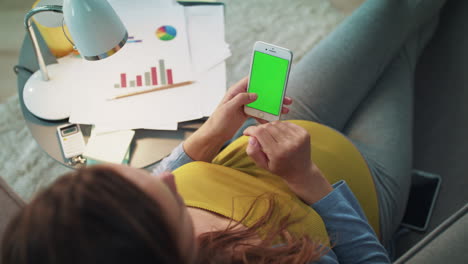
[10,203]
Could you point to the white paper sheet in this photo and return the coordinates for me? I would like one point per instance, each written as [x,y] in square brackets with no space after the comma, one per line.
[102,128]
[208,50]
[205,25]
[212,88]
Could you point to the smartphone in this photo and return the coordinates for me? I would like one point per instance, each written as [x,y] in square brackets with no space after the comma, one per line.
[269,72]
[422,197]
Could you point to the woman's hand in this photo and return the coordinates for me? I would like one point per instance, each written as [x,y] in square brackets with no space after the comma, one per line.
[283,148]
[228,117]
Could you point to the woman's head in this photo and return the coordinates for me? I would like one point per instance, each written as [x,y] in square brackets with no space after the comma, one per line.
[117,214]
[103,214]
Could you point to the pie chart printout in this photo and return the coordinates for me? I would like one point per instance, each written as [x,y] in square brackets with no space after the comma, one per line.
[166,33]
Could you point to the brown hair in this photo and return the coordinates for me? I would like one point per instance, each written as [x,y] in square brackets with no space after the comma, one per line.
[234,245]
[95,215]
[90,216]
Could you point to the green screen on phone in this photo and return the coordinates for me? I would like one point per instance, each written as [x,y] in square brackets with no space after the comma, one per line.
[267,80]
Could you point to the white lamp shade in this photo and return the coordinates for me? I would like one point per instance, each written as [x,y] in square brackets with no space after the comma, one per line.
[95,27]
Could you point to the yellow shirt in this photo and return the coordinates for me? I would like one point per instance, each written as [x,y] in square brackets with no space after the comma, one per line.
[229,185]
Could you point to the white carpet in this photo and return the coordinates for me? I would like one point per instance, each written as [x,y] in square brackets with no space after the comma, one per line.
[295,24]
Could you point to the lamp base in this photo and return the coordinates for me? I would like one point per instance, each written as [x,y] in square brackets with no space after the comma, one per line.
[50,100]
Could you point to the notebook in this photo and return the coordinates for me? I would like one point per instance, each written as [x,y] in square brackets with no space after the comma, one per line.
[110,147]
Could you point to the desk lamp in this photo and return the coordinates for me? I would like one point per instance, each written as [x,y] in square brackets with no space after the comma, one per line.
[97,32]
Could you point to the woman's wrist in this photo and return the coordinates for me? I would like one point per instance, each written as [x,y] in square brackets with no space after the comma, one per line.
[313,186]
[203,145]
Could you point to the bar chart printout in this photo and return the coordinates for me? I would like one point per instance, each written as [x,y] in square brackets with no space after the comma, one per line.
[131,39]
[157,75]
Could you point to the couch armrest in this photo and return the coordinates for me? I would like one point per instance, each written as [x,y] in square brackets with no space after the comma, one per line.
[445,244]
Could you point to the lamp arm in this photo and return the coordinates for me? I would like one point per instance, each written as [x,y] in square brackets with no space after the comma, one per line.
[32,34]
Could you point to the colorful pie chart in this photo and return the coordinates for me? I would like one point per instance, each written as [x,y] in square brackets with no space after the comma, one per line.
[166,33]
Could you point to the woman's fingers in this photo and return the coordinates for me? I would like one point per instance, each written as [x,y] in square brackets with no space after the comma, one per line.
[283,147]
[239,87]
[272,135]
[241,99]
[261,121]
[263,136]
[287,100]
[282,130]
[296,130]
[276,131]
[254,150]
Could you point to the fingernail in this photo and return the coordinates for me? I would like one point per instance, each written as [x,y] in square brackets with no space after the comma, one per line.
[252,96]
[252,141]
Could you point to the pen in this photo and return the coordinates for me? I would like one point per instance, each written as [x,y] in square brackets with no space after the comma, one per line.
[152,90]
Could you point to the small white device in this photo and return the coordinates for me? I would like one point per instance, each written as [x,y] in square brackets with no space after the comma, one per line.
[71,140]
[269,72]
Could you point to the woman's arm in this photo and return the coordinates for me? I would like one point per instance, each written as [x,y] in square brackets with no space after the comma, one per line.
[174,160]
[284,149]
[353,239]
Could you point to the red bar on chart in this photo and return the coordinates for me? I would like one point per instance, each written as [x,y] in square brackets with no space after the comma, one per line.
[154,77]
[169,76]
[123,80]
[139,81]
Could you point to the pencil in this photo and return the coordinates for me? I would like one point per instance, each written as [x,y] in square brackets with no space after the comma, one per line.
[153,90]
